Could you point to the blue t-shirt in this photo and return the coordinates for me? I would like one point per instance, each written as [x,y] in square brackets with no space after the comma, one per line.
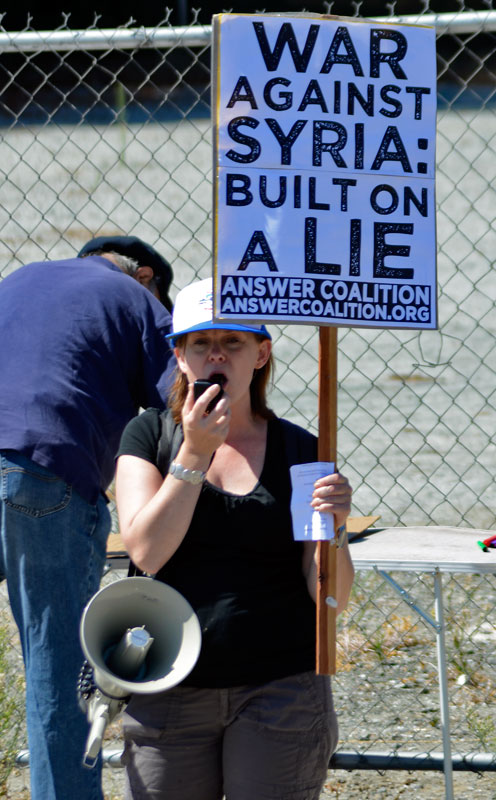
[82,348]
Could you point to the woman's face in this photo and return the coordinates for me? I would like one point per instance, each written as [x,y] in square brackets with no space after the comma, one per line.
[231,356]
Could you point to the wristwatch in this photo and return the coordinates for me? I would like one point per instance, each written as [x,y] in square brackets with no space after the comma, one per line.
[195,476]
[341,536]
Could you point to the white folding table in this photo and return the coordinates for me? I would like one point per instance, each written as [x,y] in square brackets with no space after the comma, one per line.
[434,550]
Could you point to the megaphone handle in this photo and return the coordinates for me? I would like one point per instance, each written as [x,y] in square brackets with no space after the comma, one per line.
[95,736]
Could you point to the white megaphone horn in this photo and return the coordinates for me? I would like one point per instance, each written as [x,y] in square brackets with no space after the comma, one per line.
[140,636]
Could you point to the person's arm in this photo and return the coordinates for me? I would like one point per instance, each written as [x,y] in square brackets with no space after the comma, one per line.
[158,363]
[332,494]
[155,512]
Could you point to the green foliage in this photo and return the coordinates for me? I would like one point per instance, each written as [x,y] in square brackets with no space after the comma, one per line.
[483,727]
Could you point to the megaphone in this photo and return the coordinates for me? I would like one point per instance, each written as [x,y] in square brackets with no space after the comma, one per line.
[140,636]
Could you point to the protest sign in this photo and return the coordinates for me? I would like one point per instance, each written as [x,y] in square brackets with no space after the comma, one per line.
[324,158]
[324,203]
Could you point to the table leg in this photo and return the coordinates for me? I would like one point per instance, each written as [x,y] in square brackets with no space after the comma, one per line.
[438,625]
[443,684]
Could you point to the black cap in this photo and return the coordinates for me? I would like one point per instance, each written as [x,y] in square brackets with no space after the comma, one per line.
[144,254]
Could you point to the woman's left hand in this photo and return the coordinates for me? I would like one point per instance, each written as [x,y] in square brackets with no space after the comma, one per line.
[333,494]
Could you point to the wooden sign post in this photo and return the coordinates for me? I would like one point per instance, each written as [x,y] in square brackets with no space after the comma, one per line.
[326,551]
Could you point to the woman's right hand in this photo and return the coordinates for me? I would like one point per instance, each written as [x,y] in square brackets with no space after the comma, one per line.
[204,433]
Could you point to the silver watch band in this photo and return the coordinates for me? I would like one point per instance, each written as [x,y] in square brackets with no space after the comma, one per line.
[341,536]
[195,476]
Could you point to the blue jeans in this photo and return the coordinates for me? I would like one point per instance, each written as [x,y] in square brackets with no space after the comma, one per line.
[52,552]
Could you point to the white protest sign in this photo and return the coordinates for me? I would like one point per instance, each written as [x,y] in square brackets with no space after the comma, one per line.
[324,156]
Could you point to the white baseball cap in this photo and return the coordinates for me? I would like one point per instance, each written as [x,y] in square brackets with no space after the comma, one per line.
[193,311]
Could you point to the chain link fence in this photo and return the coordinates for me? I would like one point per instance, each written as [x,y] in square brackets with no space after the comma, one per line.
[107,131]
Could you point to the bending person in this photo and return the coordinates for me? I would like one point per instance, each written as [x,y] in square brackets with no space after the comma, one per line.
[84,348]
[252,720]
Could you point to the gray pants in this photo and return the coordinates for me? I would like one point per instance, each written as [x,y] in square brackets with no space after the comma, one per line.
[269,742]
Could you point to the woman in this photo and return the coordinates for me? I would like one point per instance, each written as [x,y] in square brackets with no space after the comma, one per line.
[252,721]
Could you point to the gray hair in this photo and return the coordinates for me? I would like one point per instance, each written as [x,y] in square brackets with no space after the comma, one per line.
[125,263]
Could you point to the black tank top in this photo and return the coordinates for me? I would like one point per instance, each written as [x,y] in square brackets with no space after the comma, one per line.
[241,571]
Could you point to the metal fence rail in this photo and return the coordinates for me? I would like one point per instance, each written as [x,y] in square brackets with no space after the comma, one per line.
[109,130]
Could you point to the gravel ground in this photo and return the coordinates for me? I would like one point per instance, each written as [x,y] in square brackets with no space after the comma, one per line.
[340,785]
[394,785]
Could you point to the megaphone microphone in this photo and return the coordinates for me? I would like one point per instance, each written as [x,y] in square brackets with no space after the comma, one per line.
[140,636]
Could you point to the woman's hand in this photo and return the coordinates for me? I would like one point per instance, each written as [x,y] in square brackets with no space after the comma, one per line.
[332,494]
[204,433]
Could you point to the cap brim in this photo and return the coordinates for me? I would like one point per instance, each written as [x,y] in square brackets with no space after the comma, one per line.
[220,326]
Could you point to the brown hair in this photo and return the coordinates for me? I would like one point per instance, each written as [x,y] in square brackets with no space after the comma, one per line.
[258,387]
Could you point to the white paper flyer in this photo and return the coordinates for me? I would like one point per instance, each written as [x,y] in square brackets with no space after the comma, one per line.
[308,524]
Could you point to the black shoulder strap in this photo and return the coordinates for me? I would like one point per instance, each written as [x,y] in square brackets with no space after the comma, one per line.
[301,446]
[170,440]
